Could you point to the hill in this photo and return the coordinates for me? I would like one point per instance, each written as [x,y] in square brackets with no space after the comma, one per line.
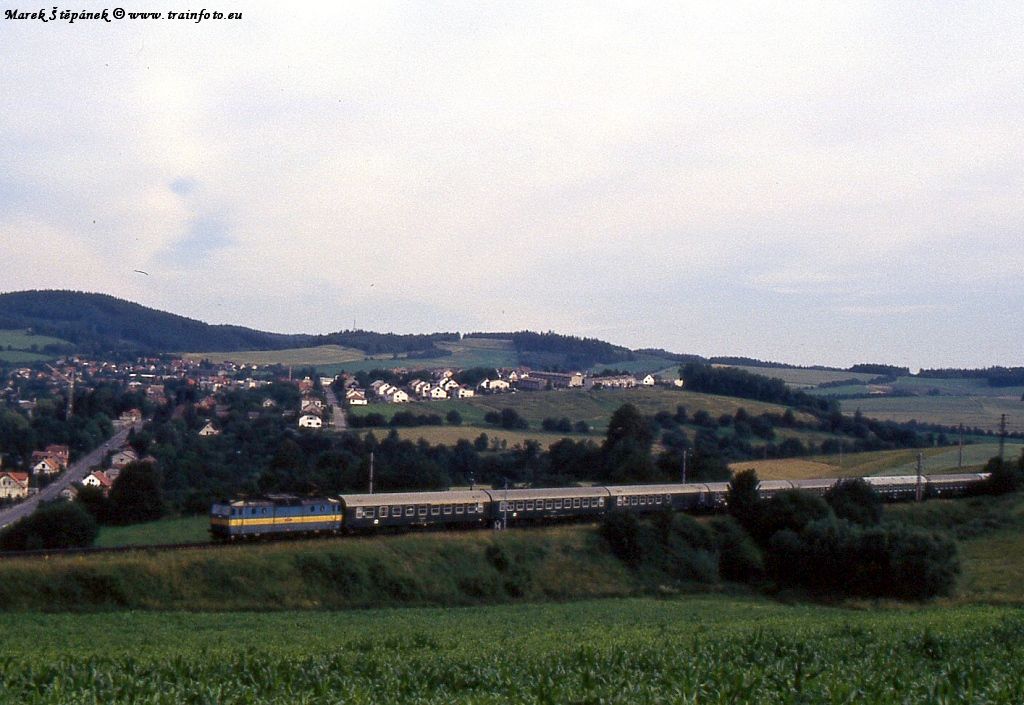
[102,323]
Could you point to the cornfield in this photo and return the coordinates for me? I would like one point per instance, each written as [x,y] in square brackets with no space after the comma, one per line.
[706,650]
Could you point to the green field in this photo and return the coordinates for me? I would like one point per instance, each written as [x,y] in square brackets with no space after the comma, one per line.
[299,357]
[980,412]
[804,378]
[21,344]
[593,406]
[177,530]
[635,651]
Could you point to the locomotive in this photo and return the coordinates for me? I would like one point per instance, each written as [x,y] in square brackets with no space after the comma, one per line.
[281,515]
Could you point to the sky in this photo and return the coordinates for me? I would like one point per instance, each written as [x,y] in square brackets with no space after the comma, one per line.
[814,183]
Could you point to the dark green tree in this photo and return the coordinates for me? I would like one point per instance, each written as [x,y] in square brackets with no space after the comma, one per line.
[855,500]
[742,498]
[136,495]
[54,525]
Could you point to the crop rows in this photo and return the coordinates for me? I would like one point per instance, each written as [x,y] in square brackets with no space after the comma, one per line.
[974,656]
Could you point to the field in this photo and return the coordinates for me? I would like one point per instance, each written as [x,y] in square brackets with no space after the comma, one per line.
[804,378]
[981,412]
[21,344]
[450,435]
[178,530]
[882,462]
[636,651]
[593,406]
[299,357]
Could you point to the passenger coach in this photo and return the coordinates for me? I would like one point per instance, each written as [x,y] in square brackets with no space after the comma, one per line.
[408,509]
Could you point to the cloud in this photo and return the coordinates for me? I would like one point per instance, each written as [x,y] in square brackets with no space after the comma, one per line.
[654,173]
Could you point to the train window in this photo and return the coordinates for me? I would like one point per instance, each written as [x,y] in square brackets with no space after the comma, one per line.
[460,509]
[370,513]
[435,510]
[657,499]
[548,504]
[600,501]
[503,506]
[558,504]
[447,509]
[383,512]
[632,501]
[480,508]
[576,503]
[586,503]
[422,510]
[396,511]
[409,511]
[643,499]
[470,509]
[359,512]
[529,506]
[620,501]
[519,506]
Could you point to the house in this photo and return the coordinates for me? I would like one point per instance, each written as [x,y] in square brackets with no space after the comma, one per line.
[355,397]
[46,463]
[438,393]
[613,382]
[98,479]
[59,451]
[310,421]
[396,396]
[494,385]
[461,393]
[46,466]
[123,457]
[268,403]
[560,379]
[648,380]
[69,493]
[448,384]
[209,430]
[532,383]
[312,405]
[419,387]
[13,485]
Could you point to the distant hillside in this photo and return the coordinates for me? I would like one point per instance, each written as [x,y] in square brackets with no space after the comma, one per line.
[98,322]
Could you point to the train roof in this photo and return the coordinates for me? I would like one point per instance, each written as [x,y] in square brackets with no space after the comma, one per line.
[548,493]
[678,488]
[382,498]
[959,477]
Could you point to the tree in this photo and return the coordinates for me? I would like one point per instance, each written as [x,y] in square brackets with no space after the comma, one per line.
[742,499]
[136,495]
[453,417]
[54,525]
[627,424]
[856,501]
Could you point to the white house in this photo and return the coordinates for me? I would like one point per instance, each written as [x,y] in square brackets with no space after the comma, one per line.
[98,479]
[396,396]
[208,430]
[355,397]
[310,421]
[648,380]
[13,485]
[46,466]
[438,393]
[461,393]
[495,385]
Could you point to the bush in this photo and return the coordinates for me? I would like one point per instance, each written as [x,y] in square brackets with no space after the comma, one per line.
[622,532]
[739,558]
[856,501]
[136,495]
[788,509]
[56,525]
[836,557]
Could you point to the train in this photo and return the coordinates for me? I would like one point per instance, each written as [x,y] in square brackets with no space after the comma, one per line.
[281,515]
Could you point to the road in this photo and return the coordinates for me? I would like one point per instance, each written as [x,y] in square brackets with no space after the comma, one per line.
[338,420]
[76,472]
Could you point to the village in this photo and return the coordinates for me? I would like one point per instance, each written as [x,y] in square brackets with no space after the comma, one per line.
[198,387]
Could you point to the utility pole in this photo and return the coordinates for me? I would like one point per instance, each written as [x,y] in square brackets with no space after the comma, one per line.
[1002,437]
[685,453]
[960,461]
[71,388]
[504,511]
[917,493]
[371,472]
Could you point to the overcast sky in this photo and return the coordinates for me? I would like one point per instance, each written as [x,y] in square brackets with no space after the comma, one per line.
[806,182]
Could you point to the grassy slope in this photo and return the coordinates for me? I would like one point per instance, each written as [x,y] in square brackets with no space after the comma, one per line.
[22,343]
[805,378]
[300,357]
[982,412]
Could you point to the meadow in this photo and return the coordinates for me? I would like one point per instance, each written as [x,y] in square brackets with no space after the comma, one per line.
[636,651]
[20,344]
[972,411]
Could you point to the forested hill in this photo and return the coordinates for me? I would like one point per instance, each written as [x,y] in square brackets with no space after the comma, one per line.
[100,323]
